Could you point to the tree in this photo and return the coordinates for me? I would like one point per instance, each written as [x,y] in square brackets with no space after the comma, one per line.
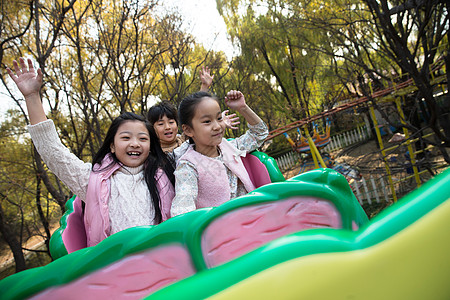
[383,43]
[299,81]
[22,208]
[414,34]
[317,52]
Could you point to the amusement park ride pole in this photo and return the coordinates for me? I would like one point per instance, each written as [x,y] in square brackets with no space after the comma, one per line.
[383,152]
[314,151]
[408,142]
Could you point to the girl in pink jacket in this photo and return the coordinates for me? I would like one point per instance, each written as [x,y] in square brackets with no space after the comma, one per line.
[130,181]
[211,170]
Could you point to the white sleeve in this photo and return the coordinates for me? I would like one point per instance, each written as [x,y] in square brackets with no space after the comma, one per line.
[179,151]
[71,170]
[253,138]
[186,189]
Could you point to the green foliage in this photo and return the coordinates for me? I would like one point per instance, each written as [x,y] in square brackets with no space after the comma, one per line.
[277,39]
[18,181]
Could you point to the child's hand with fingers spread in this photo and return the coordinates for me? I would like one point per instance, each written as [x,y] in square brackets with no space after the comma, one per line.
[29,83]
[235,100]
[205,78]
[27,80]
[230,120]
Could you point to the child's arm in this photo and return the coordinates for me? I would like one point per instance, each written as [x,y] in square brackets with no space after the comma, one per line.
[64,164]
[29,84]
[236,100]
[258,131]
[186,189]
[206,79]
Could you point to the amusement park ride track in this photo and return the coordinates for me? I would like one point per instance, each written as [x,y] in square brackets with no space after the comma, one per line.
[356,102]
[389,94]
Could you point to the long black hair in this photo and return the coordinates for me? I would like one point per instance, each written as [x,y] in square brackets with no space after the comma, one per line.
[156,159]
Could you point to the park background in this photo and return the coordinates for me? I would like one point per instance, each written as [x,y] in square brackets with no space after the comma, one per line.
[294,61]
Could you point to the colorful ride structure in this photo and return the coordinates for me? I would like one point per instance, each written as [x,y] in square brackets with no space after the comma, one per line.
[396,94]
[312,155]
[306,237]
[302,143]
[309,147]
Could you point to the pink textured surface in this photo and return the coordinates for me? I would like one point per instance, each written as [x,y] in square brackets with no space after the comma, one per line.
[256,170]
[74,236]
[245,229]
[131,278]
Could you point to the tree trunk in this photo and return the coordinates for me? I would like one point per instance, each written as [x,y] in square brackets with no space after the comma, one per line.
[13,243]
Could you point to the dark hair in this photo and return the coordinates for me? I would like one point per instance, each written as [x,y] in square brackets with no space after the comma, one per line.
[156,159]
[186,109]
[158,111]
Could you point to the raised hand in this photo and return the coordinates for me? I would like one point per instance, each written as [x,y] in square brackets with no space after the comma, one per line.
[230,120]
[235,100]
[27,80]
[29,83]
[205,78]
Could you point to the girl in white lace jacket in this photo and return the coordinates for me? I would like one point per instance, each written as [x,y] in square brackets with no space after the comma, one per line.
[138,188]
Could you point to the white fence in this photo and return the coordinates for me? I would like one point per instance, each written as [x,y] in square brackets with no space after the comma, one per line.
[288,160]
[371,190]
[348,138]
[337,142]
[368,190]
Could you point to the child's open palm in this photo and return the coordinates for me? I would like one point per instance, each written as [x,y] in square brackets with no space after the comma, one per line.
[230,120]
[206,78]
[235,100]
[27,80]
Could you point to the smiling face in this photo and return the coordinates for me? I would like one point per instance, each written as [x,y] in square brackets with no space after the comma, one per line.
[131,143]
[166,129]
[207,127]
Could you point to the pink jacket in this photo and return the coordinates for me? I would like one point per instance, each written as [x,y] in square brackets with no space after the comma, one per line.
[213,186]
[96,217]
